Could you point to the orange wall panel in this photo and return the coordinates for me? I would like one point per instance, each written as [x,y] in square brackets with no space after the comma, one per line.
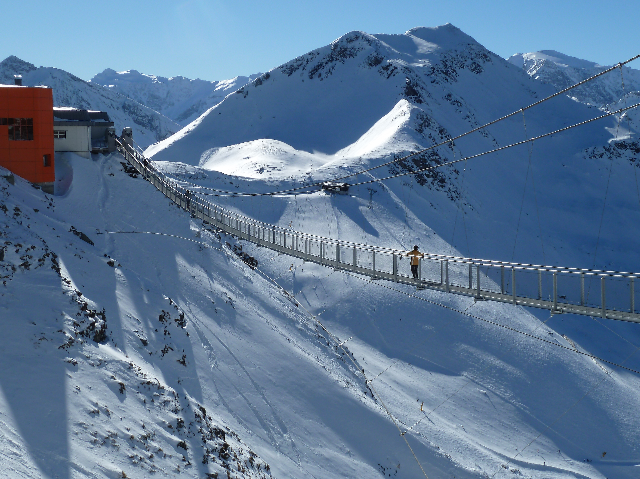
[25,158]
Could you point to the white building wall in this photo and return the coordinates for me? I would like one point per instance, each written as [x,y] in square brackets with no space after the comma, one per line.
[78,140]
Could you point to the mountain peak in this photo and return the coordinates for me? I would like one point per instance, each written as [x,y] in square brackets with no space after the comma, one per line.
[446,36]
[12,65]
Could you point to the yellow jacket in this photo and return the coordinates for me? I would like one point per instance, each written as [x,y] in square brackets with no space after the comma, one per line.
[414,254]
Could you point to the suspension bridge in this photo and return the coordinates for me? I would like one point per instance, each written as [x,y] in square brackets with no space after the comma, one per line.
[589,292]
[554,288]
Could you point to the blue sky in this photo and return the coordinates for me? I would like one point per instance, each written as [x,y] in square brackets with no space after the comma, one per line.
[220,39]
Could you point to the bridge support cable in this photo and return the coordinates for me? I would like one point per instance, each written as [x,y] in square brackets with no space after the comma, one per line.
[526,182]
[463,275]
[606,192]
[460,205]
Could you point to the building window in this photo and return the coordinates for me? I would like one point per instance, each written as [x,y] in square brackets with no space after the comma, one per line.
[46,160]
[59,133]
[20,129]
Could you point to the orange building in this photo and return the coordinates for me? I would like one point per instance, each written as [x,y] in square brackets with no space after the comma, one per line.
[26,133]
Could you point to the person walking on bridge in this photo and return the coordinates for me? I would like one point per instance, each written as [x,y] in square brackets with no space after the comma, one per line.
[415,260]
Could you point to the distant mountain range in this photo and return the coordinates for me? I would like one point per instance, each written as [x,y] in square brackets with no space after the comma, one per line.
[179,98]
[155,107]
[562,71]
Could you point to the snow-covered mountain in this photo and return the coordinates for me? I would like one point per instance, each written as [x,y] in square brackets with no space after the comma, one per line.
[179,98]
[562,71]
[366,99]
[148,125]
[131,354]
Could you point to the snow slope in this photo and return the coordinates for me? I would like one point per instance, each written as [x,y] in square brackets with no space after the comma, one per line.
[179,98]
[148,125]
[199,350]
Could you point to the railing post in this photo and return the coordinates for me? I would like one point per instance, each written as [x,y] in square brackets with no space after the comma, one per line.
[604,298]
[502,279]
[419,269]
[539,284]
[395,268]
[374,261]
[284,238]
[555,290]
[581,289]
[470,276]
[446,275]
[337,253]
[478,281]
[355,257]
[633,295]
[321,252]
[513,285]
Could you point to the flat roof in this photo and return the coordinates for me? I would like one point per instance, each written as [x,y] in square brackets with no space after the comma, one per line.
[23,86]
[75,115]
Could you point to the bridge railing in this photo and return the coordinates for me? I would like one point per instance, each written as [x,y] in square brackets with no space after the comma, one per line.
[607,294]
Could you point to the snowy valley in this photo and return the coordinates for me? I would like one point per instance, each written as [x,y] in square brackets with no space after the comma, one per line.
[138,343]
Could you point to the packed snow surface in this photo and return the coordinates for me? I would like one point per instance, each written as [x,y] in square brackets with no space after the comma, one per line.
[199,351]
